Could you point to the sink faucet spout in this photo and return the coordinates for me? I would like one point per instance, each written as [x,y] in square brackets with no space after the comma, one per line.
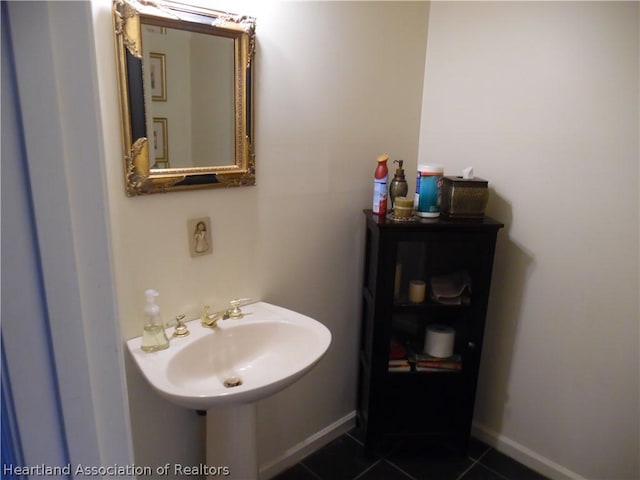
[210,320]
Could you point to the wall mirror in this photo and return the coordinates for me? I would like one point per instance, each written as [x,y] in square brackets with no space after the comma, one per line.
[184,80]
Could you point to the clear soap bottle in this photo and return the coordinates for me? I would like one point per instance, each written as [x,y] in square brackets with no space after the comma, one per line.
[154,337]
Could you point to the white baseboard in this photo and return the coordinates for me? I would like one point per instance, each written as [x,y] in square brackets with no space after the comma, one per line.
[522,454]
[500,442]
[309,445]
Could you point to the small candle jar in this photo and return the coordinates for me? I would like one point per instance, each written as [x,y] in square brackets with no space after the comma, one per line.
[403,207]
[417,291]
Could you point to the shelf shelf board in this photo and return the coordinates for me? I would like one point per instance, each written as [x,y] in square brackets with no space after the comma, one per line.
[427,305]
[414,372]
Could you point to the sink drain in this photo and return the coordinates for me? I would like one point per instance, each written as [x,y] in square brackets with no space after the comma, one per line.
[233,382]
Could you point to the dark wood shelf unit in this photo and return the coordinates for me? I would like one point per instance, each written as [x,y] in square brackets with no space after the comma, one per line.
[421,406]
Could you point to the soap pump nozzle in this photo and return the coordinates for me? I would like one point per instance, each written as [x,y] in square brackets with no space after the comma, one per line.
[151,310]
[398,186]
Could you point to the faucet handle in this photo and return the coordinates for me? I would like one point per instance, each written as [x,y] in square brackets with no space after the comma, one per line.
[234,311]
[239,301]
[181,329]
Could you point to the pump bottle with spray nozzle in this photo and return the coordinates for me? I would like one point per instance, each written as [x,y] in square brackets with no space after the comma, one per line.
[380,186]
[154,337]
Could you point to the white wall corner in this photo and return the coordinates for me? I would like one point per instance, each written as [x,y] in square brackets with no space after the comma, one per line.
[522,454]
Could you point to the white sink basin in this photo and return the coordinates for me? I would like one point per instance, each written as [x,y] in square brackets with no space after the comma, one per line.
[266,350]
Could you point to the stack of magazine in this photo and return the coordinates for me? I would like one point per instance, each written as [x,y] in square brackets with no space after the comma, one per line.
[398,359]
[426,363]
[435,364]
[405,358]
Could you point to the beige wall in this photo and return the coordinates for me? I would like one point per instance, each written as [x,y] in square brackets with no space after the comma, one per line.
[212,109]
[542,99]
[337,84]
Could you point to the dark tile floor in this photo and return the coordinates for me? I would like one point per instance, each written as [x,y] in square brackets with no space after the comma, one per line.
[344,459]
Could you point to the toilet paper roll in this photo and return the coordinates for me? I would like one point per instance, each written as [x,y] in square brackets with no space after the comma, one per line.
[438,341]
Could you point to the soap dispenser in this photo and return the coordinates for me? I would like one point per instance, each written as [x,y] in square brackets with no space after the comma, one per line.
[398,186]
[154,337]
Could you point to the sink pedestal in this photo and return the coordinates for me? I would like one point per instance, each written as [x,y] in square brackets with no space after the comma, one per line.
[231,440]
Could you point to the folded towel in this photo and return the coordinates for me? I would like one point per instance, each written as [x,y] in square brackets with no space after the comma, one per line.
[451,289]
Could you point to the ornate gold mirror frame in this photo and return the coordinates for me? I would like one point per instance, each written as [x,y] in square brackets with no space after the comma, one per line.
[140,177]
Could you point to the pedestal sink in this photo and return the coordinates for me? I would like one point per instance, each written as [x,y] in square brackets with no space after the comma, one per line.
[225,370]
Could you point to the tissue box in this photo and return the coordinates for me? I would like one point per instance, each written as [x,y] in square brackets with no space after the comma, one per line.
[464,197]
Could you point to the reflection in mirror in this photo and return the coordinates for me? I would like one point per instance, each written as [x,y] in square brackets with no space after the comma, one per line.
[201,77]
[185,92]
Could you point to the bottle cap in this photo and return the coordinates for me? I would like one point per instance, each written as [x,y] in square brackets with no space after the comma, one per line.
[431,169]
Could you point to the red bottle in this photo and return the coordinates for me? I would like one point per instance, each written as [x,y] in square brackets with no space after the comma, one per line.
[380,186]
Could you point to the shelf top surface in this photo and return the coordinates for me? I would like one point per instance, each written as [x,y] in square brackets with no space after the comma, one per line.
[439,223]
